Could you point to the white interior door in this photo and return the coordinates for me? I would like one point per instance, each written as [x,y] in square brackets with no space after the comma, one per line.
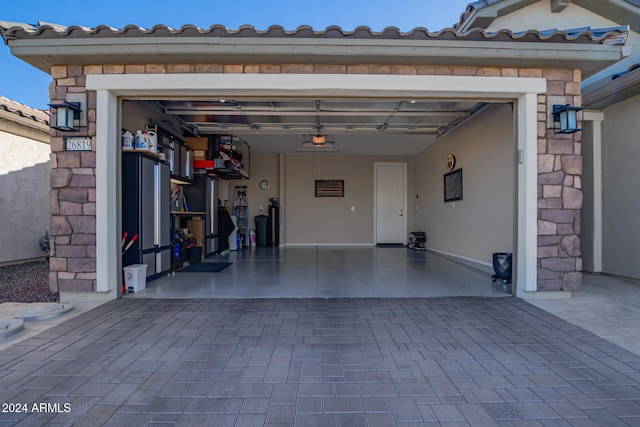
[390,203]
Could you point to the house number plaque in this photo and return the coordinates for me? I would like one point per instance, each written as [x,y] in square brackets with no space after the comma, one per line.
[81,143]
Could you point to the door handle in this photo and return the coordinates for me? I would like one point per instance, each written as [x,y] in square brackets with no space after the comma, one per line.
[401,212]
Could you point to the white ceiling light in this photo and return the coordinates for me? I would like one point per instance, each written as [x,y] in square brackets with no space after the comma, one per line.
[307,146]
[318,140]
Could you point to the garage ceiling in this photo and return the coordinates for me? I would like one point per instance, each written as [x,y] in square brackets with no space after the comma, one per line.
[353,126]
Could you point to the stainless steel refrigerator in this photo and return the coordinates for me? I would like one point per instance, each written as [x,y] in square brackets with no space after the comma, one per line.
[146,189]
[202,196]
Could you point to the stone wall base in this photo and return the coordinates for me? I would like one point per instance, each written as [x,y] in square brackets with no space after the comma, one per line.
[545,295]
[87,297]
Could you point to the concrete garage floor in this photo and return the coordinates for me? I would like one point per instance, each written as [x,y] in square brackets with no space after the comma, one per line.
[328,272]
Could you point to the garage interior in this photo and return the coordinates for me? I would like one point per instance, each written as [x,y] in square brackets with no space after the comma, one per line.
[330,246]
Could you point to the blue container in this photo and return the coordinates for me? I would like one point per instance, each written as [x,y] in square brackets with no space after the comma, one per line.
[502,266]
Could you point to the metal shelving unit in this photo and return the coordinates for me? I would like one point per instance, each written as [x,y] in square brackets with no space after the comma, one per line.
[241,211]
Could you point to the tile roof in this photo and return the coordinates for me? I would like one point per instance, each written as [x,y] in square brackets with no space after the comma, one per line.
[40,116]
[42,30]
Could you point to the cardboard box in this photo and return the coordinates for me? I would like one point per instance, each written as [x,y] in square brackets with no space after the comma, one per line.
[197,143]
[200,154]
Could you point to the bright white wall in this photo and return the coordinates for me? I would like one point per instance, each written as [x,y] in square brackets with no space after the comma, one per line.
[483,222]
[621,192]
[24,196]
[539,16]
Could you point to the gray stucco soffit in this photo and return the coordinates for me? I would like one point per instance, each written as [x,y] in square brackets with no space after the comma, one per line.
[480,14]
[606,92]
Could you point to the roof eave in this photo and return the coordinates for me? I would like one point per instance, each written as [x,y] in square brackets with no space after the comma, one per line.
[45,53]
[604,93]
[483,17]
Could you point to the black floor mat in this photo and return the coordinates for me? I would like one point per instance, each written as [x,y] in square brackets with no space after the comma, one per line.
[205,267]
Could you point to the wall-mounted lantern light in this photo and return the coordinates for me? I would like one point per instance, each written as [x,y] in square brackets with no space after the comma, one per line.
[565,118]
[67,114]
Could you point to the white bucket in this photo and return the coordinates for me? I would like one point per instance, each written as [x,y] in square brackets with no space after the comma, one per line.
[135,277]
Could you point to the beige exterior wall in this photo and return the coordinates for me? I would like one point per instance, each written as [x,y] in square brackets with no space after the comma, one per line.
[483,222]
[621,192]
[539,16]
[73,224]
[24,198]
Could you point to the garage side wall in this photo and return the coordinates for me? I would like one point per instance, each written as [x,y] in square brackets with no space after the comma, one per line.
[483,221]
[73,184]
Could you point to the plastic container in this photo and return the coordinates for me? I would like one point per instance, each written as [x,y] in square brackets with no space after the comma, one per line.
[141,142]
[135,277]
[128,141]
[152,140]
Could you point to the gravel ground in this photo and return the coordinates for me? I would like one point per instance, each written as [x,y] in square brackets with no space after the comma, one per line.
[27,282]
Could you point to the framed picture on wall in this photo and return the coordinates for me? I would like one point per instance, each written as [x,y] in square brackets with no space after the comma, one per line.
[329,188]
[453,186]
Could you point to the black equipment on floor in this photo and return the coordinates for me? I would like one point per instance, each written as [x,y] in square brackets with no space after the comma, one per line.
[261,230]
[273,223]
[502,267]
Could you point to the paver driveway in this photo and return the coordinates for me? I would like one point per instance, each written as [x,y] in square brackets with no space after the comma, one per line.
[333,362]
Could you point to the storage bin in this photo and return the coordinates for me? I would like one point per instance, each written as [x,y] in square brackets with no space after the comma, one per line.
[135,277]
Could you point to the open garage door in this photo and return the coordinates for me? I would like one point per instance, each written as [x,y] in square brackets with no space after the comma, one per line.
[365,147]
[387,158]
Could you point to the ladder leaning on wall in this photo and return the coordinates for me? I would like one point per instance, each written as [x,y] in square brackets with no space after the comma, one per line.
[241,211]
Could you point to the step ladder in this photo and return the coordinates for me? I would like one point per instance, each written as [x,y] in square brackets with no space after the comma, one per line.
[241,212]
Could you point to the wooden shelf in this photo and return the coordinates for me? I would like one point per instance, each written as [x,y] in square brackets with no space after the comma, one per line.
[188,213]
[147,152]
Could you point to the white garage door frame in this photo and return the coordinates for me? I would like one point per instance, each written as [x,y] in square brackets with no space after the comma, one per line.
[111,88]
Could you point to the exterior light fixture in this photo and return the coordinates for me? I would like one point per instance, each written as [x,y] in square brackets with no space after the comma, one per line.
[565,118]
[67,113]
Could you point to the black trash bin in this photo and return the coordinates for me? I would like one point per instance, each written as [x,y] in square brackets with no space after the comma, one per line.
[502,266]
[261,230]
[195,255]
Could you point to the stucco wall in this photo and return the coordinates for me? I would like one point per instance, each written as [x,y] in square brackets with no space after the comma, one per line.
[539,16]
[309,219]
[621,192]
[483,222]
[24,198]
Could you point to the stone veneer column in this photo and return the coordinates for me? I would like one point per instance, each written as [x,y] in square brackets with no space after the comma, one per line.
[73,195]
[559,191]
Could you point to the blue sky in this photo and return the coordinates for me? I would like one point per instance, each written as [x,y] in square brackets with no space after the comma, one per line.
[24,83]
